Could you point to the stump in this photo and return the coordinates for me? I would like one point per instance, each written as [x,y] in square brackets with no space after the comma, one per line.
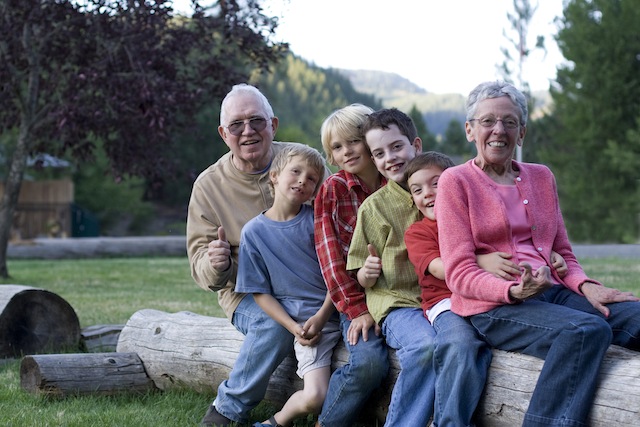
[186,350]
[34,321]
[62,375]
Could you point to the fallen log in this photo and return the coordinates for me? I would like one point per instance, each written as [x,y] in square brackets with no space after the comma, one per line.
[62,375]
[187,350]
[34,320]
[100,338]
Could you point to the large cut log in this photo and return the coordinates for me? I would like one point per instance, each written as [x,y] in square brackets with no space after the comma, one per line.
[34,321]
[188,350]
[62,375]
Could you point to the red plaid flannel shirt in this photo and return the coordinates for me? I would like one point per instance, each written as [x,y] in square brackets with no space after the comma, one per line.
[336,207]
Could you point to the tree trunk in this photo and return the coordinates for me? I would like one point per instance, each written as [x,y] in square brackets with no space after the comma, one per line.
[197,352]
[28,118]
[62,375]
[35,321]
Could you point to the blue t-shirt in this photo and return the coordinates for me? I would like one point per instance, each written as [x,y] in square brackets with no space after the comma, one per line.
[279,258]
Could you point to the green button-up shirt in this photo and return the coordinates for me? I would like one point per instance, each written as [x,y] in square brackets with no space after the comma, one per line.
[382,220]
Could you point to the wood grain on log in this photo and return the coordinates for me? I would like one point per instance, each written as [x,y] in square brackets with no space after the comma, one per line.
[79,374]
[34,320]
[197,352]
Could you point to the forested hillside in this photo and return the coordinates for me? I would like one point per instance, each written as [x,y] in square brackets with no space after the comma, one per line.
[586,130]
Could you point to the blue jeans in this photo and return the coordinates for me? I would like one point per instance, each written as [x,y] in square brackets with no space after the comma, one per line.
[265,346]
[560,327]
[461,361]
[351,385]
[411,335]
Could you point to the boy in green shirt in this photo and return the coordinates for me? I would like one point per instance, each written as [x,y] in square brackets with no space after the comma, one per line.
[379,255]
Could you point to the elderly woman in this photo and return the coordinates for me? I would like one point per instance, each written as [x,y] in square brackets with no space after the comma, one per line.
[493,203]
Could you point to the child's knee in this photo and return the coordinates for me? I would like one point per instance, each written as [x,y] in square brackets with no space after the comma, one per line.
[314,399]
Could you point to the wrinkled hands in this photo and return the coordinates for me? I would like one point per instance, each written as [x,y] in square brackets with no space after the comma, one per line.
[531,283]
[219,252]
[360,326]
[598,296]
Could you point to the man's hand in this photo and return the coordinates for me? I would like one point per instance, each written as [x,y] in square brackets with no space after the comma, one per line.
[531,283]
[360,326]
[598,296]
[219,252]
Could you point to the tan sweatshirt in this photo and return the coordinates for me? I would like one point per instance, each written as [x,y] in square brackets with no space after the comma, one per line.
[223,195]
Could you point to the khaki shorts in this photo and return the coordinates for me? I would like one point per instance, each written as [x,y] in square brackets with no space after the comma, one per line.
[318,356]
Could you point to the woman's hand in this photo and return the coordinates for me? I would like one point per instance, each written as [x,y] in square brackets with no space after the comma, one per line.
[531,283]
[598,296]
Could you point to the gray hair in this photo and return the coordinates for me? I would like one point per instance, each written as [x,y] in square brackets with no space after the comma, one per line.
[497,89]
[245,89]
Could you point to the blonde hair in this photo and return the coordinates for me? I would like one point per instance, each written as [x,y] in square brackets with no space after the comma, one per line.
[344,124]
[309,154]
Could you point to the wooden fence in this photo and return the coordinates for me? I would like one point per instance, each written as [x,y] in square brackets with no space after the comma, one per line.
[44,209]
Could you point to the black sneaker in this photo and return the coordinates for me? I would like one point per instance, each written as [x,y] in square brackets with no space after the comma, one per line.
[214,418]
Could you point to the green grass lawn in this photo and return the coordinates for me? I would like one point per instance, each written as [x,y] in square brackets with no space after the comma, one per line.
[109,291]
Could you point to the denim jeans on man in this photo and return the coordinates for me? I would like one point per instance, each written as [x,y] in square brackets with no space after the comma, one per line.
[411,335]
[265,346]
[461,361]
[351,385]
[563,328]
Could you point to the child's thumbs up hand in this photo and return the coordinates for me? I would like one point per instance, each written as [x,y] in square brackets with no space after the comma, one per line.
[219,251]
[371,270]
[373,263]
[372,250]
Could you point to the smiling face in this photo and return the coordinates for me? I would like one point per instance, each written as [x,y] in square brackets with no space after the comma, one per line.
[391,151]
[495,144]
[351,156]
[297,182]
[423,186]
[251,149]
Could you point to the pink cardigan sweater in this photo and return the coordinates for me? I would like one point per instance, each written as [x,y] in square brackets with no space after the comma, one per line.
[472,219]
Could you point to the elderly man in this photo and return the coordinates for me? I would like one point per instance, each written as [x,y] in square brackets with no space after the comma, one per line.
[224,197]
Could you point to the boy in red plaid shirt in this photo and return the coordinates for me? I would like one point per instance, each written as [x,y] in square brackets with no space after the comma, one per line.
[336,207]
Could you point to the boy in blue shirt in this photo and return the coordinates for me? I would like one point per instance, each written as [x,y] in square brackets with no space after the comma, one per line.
[278,264]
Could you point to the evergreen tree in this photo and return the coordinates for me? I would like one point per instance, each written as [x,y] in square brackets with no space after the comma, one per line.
[455,142]
[429,141]
[595,152]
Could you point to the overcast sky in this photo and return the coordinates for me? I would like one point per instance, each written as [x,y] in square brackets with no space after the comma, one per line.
[442,46]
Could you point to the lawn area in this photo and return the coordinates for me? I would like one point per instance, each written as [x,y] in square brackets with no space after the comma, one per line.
[109,291]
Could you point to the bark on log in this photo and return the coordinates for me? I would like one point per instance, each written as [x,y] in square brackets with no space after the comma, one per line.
[197,352]
[34,320]
[62,375]
[100,338]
